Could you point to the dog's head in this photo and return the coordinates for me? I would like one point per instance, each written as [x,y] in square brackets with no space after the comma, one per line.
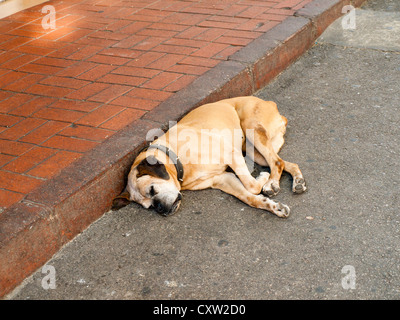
[152,184]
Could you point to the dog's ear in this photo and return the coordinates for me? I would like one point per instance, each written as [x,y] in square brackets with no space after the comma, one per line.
[121,201]
[151,166]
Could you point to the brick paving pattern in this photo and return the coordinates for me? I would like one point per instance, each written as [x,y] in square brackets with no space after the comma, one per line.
[108,62]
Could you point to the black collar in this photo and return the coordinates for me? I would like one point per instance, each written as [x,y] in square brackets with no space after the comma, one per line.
[172,155]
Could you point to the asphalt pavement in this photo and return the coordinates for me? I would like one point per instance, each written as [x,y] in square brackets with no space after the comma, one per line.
[342,238]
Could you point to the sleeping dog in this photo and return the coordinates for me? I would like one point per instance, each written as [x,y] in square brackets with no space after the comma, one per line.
[196,152]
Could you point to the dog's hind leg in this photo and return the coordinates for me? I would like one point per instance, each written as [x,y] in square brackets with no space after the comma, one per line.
[264,146]
[299,184]
[229,183]
[265,154]
[254,155]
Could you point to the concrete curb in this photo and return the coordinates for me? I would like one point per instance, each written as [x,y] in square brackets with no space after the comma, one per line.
[34,229]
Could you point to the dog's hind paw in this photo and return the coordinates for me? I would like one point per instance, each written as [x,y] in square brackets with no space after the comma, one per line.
[299,185]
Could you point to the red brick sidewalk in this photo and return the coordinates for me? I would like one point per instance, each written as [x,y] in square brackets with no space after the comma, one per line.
[65,90]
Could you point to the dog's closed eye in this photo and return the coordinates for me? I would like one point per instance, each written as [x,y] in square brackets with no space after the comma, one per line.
[152,192]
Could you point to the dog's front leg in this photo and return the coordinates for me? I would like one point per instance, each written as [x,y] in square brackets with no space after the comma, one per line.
[229,183]
[251,184]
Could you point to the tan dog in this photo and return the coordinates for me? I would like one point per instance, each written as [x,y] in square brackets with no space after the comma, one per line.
[208,140]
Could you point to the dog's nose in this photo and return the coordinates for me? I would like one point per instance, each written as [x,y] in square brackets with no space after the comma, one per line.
[166,209]
[159,207]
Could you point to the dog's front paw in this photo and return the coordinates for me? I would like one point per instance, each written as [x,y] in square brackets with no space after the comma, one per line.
[282,210]
[299,185]
[271,188]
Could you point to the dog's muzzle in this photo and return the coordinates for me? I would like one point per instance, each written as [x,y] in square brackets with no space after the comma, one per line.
[166,209]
